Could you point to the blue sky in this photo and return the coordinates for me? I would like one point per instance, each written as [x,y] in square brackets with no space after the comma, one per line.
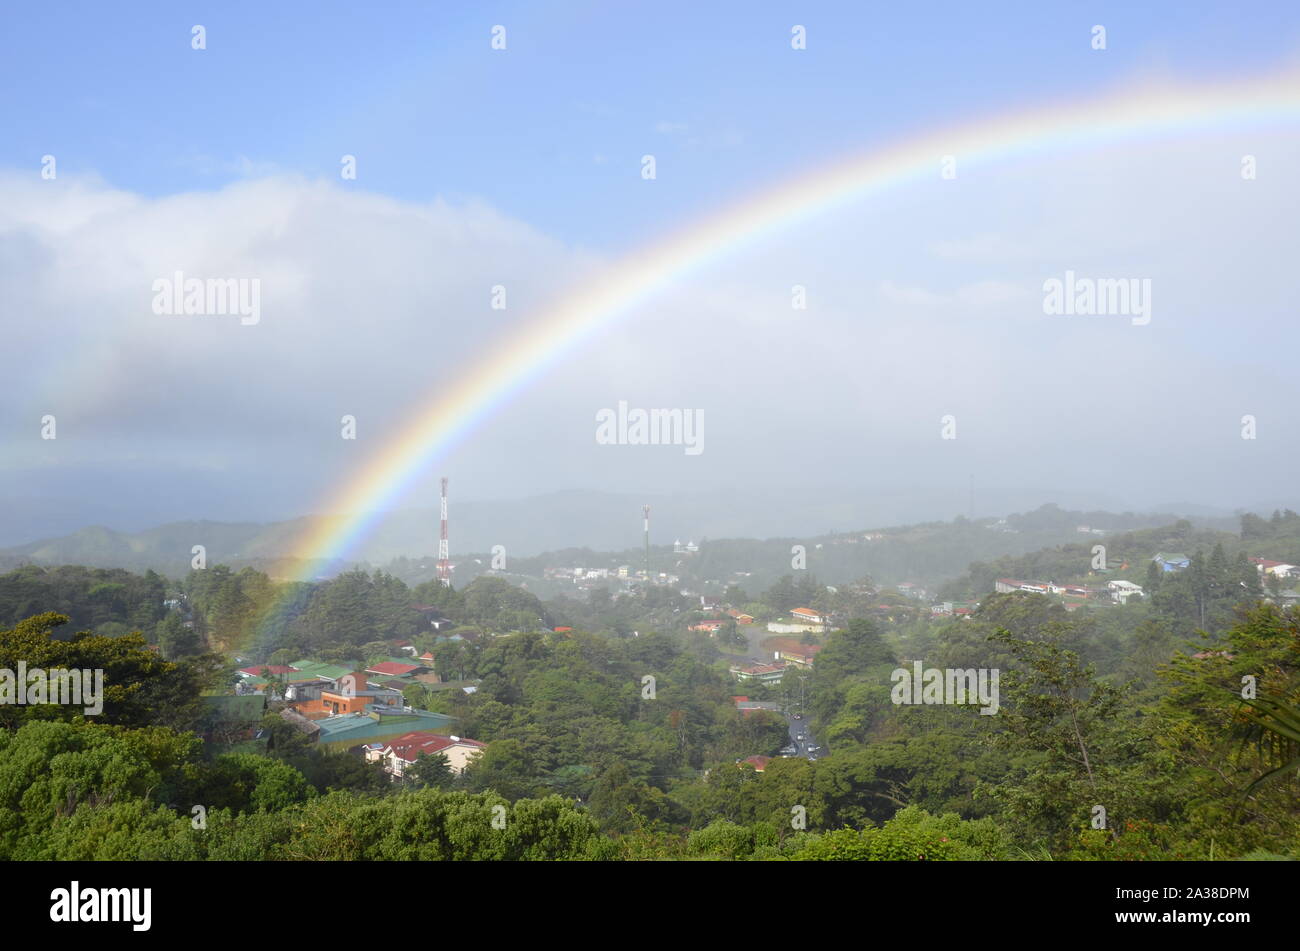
[551,129]
[477,166]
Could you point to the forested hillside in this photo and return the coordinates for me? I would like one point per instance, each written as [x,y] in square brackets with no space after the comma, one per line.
[588,764]
[612,728]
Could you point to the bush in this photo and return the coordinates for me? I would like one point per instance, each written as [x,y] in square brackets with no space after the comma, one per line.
[1140,841]
[721,839]
[912,835]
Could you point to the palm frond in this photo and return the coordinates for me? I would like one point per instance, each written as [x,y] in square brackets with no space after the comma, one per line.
[1273,724]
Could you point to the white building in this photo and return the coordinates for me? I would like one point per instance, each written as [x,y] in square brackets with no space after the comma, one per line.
[778,627]
[1121,591]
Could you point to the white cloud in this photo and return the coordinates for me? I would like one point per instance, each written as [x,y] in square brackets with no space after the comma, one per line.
[920,302]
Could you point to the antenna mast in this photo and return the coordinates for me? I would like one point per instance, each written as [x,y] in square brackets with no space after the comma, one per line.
[444,566]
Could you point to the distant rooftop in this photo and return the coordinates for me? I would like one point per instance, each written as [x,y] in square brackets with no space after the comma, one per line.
[392,668]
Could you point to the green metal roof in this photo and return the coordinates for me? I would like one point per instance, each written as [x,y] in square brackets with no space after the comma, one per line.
[351,729]
[321,669]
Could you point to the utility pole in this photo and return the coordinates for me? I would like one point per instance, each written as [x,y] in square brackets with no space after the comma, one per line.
[645,509]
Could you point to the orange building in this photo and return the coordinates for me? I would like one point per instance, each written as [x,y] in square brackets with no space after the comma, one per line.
[352,694]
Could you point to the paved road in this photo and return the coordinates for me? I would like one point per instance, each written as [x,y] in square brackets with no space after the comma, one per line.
[803,747]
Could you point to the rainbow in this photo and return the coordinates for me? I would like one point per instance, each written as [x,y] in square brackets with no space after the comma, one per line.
[454,410]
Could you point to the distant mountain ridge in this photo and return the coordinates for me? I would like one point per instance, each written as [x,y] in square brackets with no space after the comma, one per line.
[526,528]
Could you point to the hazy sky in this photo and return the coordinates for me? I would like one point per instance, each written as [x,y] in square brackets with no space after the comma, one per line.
[521,167]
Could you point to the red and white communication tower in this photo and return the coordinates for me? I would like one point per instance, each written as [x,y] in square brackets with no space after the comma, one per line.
[444,566]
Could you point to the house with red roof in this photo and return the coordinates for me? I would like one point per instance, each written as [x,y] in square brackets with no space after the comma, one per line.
[759,673]
[1281,569]
[401,752]
[801,656]
[758,762]
[712,626]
